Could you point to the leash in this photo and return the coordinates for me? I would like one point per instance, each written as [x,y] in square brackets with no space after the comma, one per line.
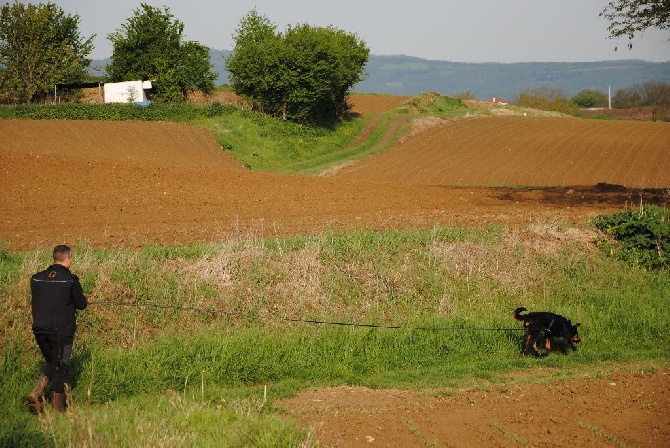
[288,319]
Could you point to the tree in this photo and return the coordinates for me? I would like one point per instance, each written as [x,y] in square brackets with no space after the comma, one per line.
[652,95]
[150,46]
[303,74]
[590,98]
[547,98]
[629,98]
[630,17]
[40,46]
[256,62]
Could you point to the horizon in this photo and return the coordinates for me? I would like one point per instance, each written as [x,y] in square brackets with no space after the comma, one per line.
[487,31]
[480,62]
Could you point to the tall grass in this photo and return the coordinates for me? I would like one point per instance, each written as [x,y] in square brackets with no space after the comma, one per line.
[442,299]
[265,143]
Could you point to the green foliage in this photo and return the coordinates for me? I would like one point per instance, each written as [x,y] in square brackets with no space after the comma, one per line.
[8,267]
[117,111]
[590,98]
[642,237]
[40,46]
[630,17]
[466,95]
[435,104]
[549,99]
[166,375]
[270,144]
[303,75]
[150,46]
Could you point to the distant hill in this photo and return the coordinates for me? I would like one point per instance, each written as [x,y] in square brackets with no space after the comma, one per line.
[408,75]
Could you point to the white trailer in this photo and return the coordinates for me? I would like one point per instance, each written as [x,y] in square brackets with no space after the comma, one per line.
[126,92]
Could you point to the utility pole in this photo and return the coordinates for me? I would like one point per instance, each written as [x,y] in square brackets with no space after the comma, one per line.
[609,97]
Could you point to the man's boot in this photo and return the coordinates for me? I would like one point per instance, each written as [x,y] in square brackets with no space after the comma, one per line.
[58,402]
[35,396]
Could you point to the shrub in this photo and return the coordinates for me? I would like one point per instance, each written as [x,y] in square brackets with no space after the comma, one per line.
[116,111]
[642,236]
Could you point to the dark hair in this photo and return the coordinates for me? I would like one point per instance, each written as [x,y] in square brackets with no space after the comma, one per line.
[62,252]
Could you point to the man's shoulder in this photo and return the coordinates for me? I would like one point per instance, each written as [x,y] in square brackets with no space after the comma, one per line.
[54,272]
[40,274]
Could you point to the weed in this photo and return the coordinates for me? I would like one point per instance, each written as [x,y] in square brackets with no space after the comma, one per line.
[507,433]
[603,434]
[171,366]
[642,236]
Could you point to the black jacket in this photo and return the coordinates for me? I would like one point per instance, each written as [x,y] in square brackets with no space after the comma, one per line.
[56,294]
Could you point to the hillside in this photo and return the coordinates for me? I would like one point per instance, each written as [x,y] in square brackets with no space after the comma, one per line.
[408,75]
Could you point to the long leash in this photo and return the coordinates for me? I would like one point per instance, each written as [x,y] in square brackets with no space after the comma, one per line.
[288,319]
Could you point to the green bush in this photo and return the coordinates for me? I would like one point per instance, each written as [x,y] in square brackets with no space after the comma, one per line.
[434,103]
[642,237]
[116,111]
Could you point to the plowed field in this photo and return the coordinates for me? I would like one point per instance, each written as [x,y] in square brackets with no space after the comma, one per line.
[126,183]
[526,151]
[129,183]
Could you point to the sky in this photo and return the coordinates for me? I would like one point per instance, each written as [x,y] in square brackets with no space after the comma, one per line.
[447,30]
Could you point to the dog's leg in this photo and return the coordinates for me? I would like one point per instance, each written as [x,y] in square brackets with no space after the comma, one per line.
[526,344]
[535,350]
[533,337]
[547,344]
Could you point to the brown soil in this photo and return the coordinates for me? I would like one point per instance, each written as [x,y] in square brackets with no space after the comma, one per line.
[628,408]
[117,184]
[526,151]
[125,184]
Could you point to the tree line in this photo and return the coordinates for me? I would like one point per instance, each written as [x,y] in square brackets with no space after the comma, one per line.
[652,94]
[303,74]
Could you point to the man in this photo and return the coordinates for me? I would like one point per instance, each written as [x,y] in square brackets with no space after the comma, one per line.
[56,295]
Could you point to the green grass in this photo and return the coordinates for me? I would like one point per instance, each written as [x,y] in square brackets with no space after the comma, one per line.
[139,370]
[269,144]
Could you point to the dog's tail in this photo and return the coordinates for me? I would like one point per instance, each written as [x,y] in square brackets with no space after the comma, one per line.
[517,313]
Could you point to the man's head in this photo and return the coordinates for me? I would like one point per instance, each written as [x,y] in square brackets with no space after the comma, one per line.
[63,255]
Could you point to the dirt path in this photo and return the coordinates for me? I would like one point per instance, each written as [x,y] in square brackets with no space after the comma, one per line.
[629,408]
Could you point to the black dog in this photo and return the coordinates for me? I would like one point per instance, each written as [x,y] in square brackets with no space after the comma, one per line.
[552,325]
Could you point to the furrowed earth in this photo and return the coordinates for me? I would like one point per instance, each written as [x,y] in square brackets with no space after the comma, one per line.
[127,184]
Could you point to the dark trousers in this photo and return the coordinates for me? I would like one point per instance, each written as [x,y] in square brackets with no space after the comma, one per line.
[57,351]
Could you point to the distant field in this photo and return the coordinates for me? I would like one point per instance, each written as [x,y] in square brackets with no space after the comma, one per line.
[526,151]
[366,104]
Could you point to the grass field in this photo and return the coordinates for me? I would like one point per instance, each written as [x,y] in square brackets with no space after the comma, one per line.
[186,369]
[368,284]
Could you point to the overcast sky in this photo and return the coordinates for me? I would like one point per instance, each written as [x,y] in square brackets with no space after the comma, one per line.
[447,30]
